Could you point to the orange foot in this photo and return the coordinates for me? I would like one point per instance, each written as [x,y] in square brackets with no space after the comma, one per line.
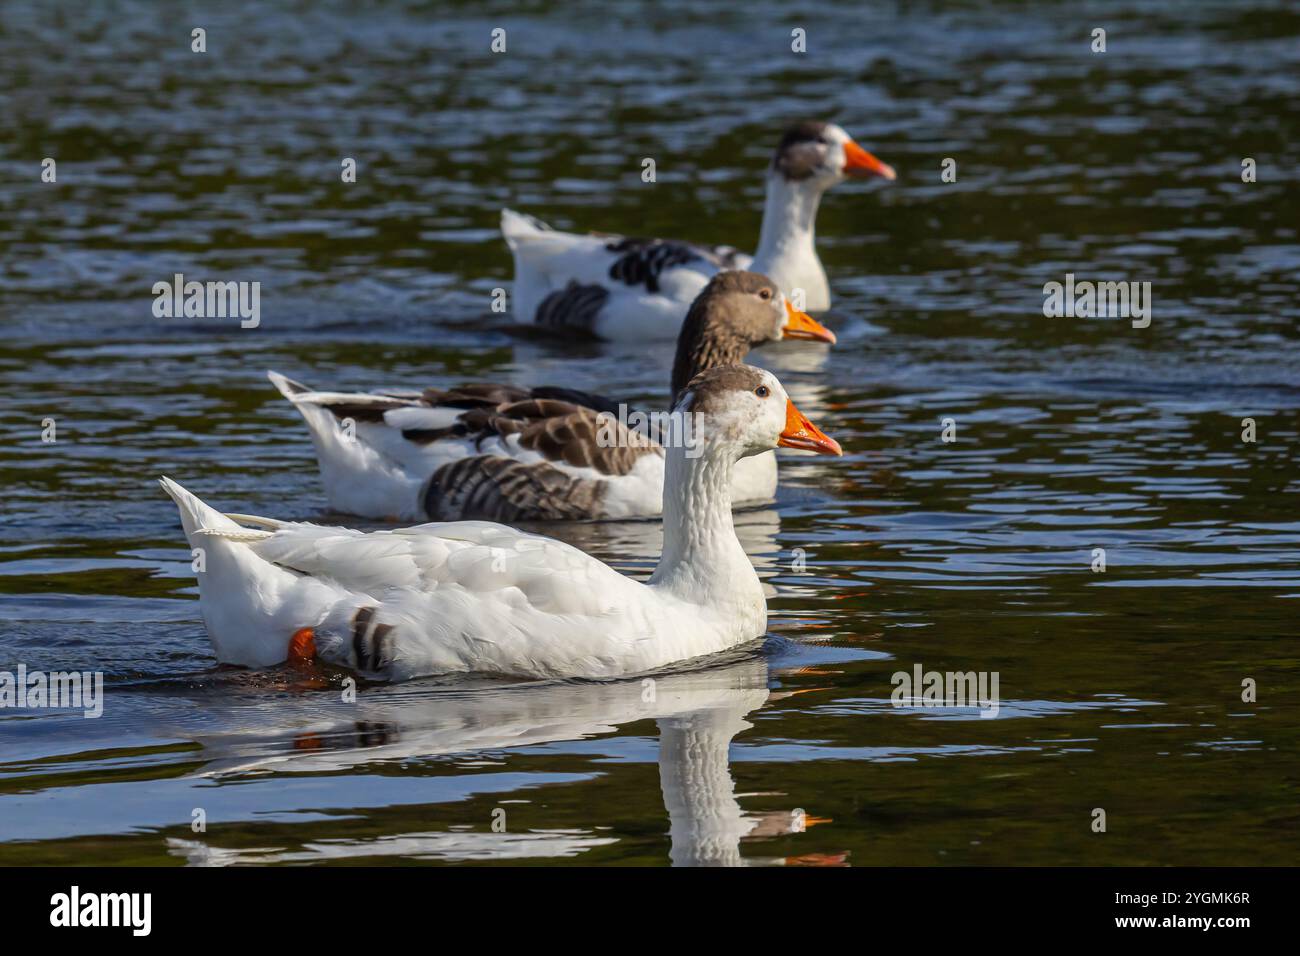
[308,741]
[302,646]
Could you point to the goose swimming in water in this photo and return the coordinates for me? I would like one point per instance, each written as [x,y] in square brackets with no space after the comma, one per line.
[621,288]
[506,453]
[477,597]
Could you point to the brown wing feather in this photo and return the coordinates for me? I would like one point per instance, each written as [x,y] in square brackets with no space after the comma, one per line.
[476,395]
[502,489]
[564,432]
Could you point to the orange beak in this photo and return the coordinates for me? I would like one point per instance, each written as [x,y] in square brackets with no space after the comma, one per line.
[804,326]
[860,164]
[801,433]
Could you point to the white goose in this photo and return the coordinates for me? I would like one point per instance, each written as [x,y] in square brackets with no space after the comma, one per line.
[484,598]
[505,453]
[620,288]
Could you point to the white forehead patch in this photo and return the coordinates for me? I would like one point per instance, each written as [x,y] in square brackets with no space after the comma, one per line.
[836,134]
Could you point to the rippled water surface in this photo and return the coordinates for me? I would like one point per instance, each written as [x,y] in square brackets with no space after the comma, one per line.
[1119,690]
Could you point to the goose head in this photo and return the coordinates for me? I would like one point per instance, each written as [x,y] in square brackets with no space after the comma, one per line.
[819,155]
[740,410]
[738,311]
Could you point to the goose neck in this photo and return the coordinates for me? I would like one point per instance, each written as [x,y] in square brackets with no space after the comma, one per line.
[704,343]
[703,560]
[789,226]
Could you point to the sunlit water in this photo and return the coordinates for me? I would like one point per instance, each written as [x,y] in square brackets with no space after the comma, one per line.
[1119,690]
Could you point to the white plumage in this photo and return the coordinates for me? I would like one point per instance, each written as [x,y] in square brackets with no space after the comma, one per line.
[475,596]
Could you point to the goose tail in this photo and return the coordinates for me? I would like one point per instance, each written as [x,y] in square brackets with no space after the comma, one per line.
[287,386]
[517,226]
[332,446]
[534,247]
[249,605]
[197,517]
[359,474]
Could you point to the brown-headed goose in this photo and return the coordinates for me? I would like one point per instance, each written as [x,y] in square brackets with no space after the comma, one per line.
[479,597]
[506,453]
[621,288]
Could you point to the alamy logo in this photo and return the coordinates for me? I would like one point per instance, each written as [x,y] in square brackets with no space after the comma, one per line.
[60,690]
[1100,300]
[670,429]
[74,908]
[969,689]
[208,300]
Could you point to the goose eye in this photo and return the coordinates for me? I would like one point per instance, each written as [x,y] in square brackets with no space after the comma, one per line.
[765,294]
[762,391]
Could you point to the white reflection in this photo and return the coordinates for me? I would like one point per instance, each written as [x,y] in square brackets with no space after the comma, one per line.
[451,846]
[698,712]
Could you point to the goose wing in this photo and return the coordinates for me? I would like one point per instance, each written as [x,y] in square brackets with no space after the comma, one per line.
[473,556]
[569,457]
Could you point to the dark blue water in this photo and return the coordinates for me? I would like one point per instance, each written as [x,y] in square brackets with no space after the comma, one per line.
[1119,690]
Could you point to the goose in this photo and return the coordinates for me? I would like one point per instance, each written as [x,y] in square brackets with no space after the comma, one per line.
[484,598]
[620,288]
[503,453]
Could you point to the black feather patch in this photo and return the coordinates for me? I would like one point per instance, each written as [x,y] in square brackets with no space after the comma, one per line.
[643,260]
[360,622]
[378,650]
[574,396]
[573,307]
[364,411]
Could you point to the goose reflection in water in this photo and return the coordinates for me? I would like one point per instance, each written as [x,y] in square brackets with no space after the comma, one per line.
[698,712]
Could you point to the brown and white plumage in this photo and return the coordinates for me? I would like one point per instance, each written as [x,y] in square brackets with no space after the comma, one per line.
[505,453]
